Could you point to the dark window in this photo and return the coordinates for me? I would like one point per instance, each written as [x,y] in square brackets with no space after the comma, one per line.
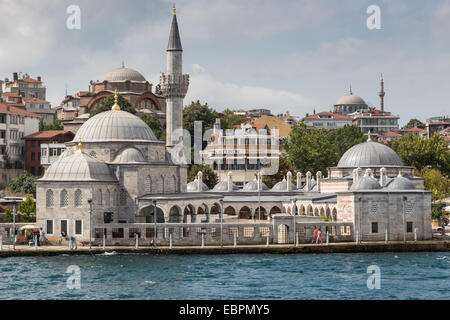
[33,156]
[108,217]
[32,143]
[49,226]
[374,227]
[64,227]
[39,171]
[78,227]
[32,170]
[409,226]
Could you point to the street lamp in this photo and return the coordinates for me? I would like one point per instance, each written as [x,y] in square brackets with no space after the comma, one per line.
[221,222]
[154,221]
[14,225]
[90,221]
[404,222]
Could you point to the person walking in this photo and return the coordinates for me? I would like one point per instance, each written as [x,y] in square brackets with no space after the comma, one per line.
[74,242]
[36,235]
[319,237]
[315,234]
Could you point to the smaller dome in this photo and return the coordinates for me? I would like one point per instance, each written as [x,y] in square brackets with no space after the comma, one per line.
[282,186]
[123,74]
[350,99]
[253,186]
[193,186]
[129,155]
[223,186]
[366,183]
[78,167]
[401,183]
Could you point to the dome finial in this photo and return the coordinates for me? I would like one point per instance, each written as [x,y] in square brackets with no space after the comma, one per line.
[351,89]
[123,64]
[174,9]
[115,106]
[80,147]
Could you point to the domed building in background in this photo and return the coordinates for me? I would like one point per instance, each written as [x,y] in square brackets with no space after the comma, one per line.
[349,103]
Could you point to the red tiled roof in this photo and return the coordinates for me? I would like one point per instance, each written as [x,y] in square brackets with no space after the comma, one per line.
[30,80]
[332,115]
[18,111]
[11,94]
[414,130]
[46,134]
[36,100]
[391,134]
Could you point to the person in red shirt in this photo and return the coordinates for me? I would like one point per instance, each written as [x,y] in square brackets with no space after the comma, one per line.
[316,231]
[319,233]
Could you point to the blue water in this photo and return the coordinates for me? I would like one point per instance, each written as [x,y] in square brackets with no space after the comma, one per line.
[304,276]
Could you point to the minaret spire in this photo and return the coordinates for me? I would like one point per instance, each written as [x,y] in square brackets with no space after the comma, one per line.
[174,85]
[381,93]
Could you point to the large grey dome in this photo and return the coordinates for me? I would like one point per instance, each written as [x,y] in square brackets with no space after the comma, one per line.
[350,99]
[401,183]
[123,74]
[129,155]
[369,154]
[114,125]
[78,167]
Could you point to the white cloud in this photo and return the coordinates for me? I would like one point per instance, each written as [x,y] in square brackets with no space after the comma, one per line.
[221,95]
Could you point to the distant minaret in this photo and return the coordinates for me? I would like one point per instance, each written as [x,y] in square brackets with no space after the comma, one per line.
[174,84]
[381,94]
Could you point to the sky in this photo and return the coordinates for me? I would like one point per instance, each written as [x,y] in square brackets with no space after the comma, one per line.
[295,56]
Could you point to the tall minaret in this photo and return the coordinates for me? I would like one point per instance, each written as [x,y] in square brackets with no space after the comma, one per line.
[174,84]
[381,94]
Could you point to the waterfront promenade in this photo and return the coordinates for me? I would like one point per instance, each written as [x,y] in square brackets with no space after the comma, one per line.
[343,247]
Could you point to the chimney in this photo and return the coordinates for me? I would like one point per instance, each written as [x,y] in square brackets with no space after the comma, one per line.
[39,78]
[199,181]
[383,177]
[319,179]
[299,180]
[229,182]
[15,76]
[308,181]
[289,181]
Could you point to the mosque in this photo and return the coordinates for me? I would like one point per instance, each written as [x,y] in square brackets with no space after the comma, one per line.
[117,181]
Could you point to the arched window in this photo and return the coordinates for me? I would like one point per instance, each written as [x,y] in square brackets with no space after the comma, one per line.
[174,183]
[78,199]
[99,197]
[148,184]
[64,199]
[108,198]
[162,184]
[49,198]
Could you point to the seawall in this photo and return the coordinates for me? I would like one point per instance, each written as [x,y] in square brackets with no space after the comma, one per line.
[422,246]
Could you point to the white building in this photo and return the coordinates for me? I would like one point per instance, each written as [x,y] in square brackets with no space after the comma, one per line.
[327,120]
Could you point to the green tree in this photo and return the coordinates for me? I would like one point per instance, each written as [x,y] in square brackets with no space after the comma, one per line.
[346,137]
[284,166]
[27,208]
[23,183]
[8,216]
[228,120]
[154,124]
[56,125]
[414,123]
[419,152]
[210,178]
[310,149]
[436,183]
[108,102]
[198,112]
